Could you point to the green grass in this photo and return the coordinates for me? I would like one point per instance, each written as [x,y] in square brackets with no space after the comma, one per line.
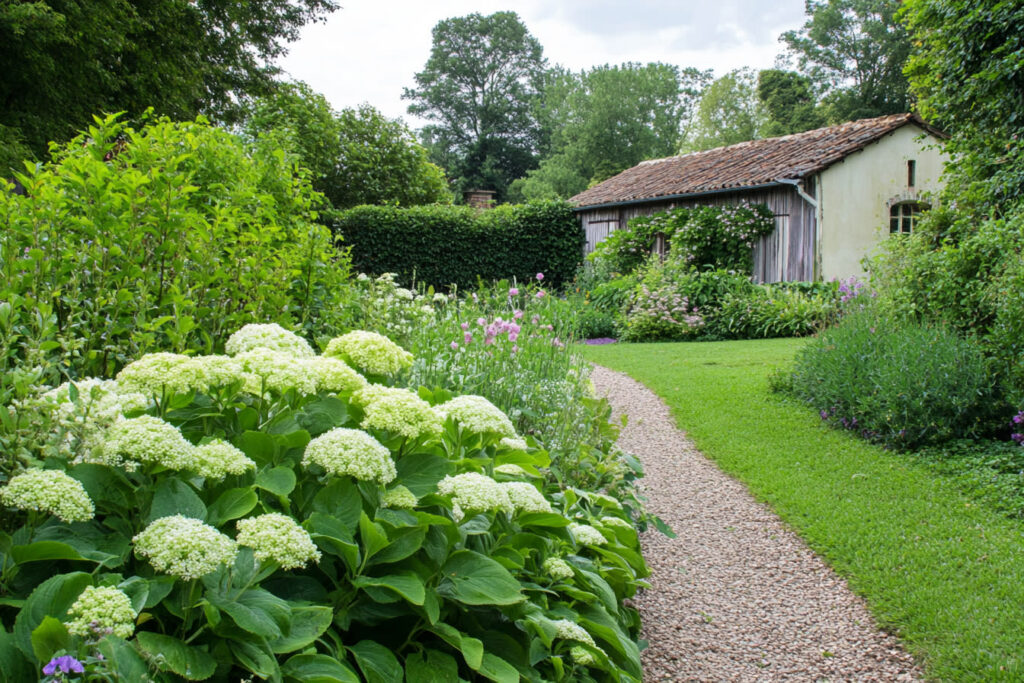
[940,569]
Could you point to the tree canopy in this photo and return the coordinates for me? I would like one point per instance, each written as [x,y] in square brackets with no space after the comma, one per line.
[729,112]
[788,102]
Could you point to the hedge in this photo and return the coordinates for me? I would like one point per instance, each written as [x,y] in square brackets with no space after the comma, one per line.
[445,245]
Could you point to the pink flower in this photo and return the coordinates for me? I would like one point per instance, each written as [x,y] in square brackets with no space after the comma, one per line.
[540,294]
[518,314]
[515,349]
[481,321]
[468,338]
[464,326]
[540,276]
[512,336]
[455,345]
[514,291]
[535,319]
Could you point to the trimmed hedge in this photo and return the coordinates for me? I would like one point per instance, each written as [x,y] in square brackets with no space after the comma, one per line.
[445,245]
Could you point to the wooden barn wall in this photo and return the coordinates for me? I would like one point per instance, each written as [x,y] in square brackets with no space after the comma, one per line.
[786,255]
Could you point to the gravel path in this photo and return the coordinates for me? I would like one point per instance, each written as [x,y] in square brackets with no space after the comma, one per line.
[736,596]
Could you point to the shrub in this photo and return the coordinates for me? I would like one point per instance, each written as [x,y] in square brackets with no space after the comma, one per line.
[895,381]
[445,245]
[381,531]
[592,323]
[771,311]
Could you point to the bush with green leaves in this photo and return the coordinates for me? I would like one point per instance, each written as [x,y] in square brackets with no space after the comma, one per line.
[279,515]
[896,381]
[768,311]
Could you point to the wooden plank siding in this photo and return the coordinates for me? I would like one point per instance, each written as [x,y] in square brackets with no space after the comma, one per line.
[786,255]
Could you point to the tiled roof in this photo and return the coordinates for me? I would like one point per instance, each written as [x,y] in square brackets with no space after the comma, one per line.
[747,164]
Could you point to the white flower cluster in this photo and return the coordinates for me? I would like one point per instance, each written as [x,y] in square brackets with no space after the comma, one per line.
[217,459]
[147,439]
[616,521]
[331,374]
[277,537]
[353,453]
[473,492]
[99,611]
[570,630]
[587,535]
[184,547]
[78,425]
[399,411]
[218,371]
[268,336]
[511,470]
[266,369]
[526,498]
[582,656]
[157,373]
[399,497]
[558,569]
[370,352]
[477,414]
[514,443]
[49,491]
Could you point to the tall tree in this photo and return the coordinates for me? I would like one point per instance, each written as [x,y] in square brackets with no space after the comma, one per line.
[788,101]
[478,88]
[729,112]
[63,60]
[606,119]
[854,51]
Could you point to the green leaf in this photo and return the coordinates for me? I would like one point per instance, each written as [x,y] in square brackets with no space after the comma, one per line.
[497,669]
[126,660]
[407,584]
[279,480]
[48,551]
[341,500]
[474,579]
[103,484]
[14,667]
[307,624]
[333,537]
[403,543]
[322,415]
[171,654]
[49,637]
[546,519]
[259,447]
[377,662]
[372,535]
[435,667]
[52,597]
[420,472]
[175,497]
[232,504]
[318,669]
[256,611]
[471,648]
[255,656]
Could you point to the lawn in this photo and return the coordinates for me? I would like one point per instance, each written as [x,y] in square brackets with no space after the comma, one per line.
[940,569]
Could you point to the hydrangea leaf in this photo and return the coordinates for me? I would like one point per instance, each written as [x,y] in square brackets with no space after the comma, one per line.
[308,624]
[53,596]
[318,669]
[175,497]
[431,667]
[377,662]
[174,655]
[49,637]
[474,579]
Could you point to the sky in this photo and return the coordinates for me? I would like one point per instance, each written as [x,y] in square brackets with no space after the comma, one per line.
[370,50]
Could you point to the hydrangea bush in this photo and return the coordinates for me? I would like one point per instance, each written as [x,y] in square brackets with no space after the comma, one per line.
[250,519]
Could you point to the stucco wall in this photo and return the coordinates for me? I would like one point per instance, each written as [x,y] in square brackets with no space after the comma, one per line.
[855,195]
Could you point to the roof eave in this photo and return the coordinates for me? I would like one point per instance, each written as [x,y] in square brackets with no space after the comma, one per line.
[685,195]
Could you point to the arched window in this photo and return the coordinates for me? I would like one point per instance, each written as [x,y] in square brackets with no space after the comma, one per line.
[903,216]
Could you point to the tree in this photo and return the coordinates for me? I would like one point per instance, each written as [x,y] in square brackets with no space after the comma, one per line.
[729,112]
[356,156]
[854,51]
[966,71]
[788,102]
[63,60]
[610,118]
[478,89]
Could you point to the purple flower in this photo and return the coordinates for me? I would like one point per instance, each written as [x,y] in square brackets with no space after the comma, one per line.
[468,338]
[1018,418]
[512,336]
[540,276]
[1019,438]
[540,294]
[601,340]
[464,326]
[481,321]
[824,415]
[65,664]
[455,345]
[518,314]
[513,292]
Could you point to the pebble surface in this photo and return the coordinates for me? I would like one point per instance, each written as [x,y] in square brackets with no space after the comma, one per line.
[737,595]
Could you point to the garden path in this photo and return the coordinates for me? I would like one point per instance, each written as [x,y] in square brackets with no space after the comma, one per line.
[736,595]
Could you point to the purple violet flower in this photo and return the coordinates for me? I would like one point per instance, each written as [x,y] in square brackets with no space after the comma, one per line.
[65,664]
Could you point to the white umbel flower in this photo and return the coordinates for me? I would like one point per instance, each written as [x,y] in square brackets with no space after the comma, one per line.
[331,374]
[49,491]
[370,352]
[157,373]
[99,611]
[269,370]
[184,547]
[558,569]
[399,497]
[478,415]
[474,492]
[218,458]
[147,439]
[526,498]
[277,537]
[268,336]
[353,453]
[587,535]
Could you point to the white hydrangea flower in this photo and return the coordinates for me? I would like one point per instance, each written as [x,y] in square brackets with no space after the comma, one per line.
[403,293]
[526,498]
[402,412]
[587,535]
[157,373]
[80,424]
[218,459]
[277,537]
[147,439]
[514,443]
[218,371]
[474,492]
[558,569]
[399,497]
[370,352]
[184,547]
[275,371]
[99,611]
[616,521]
[511,470]
[582,656]
[570,630]
[440,298]
[477,414]
[268,336]
[334,375]
[50,491]
[353,453]
[372,392]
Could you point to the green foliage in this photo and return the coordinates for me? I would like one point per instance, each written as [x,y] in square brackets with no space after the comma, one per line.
[722,237]
[62,61]
[729,112]
[895,381]
[772,311]
[477,89]
[788,101]
[854,51]
[161,237]
[445,245]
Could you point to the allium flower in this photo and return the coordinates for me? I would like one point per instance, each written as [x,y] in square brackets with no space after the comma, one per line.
[399,497]
[454,345]
[558,569]
[526,498]
[270,336]
[464,326]
[540,294]
[147,439]
[353,453]
[616,521]
[477,414]
[218,459]
[570,630]
[277,537]
[370,352]
[65,664]
[514,291]
[184,547]
[473,492]
[102,610]
[587,535]
[155,373]
[49,491]
[402,412]
[540,276]
[334,375]
[275,371]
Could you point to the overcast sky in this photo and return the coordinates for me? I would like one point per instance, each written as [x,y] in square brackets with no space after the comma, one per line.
[369,50]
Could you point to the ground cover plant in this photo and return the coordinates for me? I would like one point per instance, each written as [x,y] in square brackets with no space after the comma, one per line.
[292,516]
[938,566]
